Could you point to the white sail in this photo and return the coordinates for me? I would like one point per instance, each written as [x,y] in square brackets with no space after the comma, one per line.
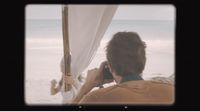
[87,25]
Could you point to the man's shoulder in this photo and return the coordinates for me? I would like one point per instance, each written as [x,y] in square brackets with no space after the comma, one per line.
[102,91]
[128,85]
[128,92]
[94,96]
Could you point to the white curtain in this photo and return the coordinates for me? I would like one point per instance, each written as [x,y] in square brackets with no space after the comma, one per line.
[87,25]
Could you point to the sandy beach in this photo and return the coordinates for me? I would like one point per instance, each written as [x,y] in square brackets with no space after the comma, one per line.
[44,50]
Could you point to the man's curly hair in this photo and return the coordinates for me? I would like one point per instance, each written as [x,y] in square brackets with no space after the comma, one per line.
[125,53]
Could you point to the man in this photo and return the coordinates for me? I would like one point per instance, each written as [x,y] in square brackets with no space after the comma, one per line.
[126,61]
[67,96]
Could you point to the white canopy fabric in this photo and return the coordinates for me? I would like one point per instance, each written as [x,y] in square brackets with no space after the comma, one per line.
[87,25]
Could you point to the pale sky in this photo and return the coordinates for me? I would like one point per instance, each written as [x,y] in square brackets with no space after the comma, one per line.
[130,12]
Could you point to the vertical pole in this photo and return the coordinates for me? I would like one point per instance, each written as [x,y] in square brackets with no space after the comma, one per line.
[67,58]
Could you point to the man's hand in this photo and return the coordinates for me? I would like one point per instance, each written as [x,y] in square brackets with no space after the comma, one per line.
[54,89]
[69,79]
[95,76]
[53,83]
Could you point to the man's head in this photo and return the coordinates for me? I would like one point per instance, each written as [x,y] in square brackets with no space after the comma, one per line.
[126,53]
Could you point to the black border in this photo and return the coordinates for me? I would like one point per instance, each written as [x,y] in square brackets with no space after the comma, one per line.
[18,48]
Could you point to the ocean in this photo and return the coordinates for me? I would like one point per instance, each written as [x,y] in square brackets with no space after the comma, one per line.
[44,50]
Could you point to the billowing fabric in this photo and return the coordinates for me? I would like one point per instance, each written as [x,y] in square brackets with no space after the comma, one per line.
[87,25]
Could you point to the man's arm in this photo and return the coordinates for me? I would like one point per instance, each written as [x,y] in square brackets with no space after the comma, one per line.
[94,78]
[85,89]
[54,89]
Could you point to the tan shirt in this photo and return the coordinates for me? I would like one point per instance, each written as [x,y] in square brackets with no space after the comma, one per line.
[132,92]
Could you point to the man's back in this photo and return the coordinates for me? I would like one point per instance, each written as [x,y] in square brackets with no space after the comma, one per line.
[132,92]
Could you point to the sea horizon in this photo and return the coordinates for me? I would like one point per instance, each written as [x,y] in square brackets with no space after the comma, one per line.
[44,50]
